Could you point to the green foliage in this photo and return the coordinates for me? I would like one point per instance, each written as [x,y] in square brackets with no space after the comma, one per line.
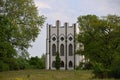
[37,63]
[3,66]
[12,63]
[115,68]
[22,63]
[101,39]
[42,59]
[100,71]
[57,61]
[19,25]
[6,48]
[34,62]
[84,66]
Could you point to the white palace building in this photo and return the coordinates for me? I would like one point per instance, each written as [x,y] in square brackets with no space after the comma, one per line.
[62,39]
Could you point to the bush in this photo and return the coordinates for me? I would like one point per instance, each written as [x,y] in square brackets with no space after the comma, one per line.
[57,61]
[37,63]
[81,65]
[100,71]
[115,67]
[77,68]
[22,63]
[12,62]
[3,66]
[84,65]
[88,65]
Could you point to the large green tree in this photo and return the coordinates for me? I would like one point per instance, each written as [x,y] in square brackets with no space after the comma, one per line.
[19,26]
[101,39]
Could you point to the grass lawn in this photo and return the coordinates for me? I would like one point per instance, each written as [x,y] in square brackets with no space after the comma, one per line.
[47,75]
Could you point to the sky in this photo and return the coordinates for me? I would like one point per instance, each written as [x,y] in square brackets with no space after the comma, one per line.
[68,11]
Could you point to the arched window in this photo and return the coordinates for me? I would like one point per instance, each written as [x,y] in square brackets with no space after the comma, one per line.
[70,64]
[70,50]
[53,64]
[62,64]
[62,50]
[53,49]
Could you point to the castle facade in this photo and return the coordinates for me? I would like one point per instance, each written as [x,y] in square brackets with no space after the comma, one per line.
[61,39]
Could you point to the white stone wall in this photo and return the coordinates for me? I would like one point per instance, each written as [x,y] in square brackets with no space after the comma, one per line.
[47,47]
[62,33]
[70,33]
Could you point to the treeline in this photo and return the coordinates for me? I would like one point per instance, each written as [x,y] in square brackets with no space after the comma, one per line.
[100,37]
[22,63]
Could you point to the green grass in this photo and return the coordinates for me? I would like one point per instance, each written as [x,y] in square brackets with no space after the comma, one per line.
[47,75]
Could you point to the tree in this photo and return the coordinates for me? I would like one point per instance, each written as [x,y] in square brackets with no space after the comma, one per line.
[34,62]
[57,61]
[101,39]
[42,59]
[19,26]
[37,63]
[6,49]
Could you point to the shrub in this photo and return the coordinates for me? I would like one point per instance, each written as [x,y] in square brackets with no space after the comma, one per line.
[12,62]
[84,65]
[37,63]
[100,71]
[22,63]
[115,67]
[3,66]
[58,61]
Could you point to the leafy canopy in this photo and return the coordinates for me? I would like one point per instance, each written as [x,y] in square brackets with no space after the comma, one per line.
[20,24]
[101,39]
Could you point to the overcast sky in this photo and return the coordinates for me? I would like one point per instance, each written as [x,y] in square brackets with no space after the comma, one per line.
[68,11]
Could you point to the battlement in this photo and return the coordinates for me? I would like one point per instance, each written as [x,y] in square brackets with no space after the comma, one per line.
[58,25]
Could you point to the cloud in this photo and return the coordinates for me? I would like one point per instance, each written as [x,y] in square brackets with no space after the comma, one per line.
[97,7]
[70,18]
[68,11]
[42,5]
